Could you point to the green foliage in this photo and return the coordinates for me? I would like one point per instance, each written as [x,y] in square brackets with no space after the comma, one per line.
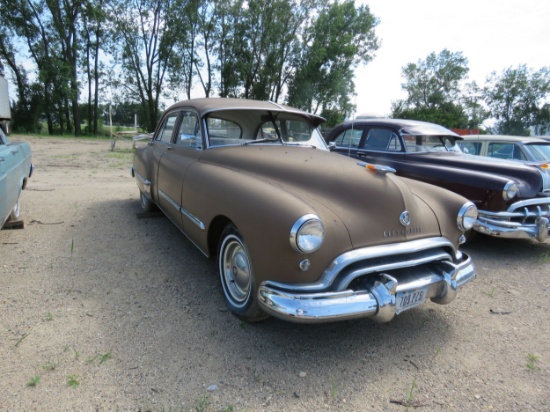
[532,361]
[433,86]
[335,43]
[34,381]
[517,99]
[72,381]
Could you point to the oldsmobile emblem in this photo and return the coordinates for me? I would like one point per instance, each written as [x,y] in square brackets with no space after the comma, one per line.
[405,218]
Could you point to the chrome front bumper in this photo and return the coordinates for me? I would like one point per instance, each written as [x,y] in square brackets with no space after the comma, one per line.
[528,219]
[299,304]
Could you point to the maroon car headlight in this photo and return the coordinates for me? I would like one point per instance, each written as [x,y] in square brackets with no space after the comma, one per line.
[307,234]
[467,216]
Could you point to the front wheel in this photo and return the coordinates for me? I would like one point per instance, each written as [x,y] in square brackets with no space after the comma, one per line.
[237,278]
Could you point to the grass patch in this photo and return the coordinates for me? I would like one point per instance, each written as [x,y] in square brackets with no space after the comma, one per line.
[72,381]
[21,339]
[532,361]
[544,258]
[491,294]
[50,366]
[201,404]
[34,381]
[103,357]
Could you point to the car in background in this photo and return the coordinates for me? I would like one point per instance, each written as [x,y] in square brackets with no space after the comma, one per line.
[298,232]
[15,170]
[521,148]
[513,199]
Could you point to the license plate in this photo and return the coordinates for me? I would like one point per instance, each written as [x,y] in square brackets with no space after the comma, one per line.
[410,299]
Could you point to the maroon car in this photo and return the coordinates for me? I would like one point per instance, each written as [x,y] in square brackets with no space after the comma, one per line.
[513,199]
[298,232]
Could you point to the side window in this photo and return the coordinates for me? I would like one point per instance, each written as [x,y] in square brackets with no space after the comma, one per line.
[472,148]
[505,151]
[349,138]
[382,140]
[165,135]
[222,132]
[189,132]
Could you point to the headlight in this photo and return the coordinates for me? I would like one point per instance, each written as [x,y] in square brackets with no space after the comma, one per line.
[510,191]
[467,216]
[307,234]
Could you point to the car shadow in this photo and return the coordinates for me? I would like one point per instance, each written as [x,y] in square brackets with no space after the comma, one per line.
[164,266]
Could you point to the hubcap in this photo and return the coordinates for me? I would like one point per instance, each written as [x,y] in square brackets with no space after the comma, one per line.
[236,271]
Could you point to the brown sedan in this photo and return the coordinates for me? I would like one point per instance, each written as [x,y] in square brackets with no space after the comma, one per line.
[298,232]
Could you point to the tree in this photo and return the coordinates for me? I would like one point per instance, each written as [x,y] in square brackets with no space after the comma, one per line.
[434,90]
[518,99]
[337,41]
[146,36]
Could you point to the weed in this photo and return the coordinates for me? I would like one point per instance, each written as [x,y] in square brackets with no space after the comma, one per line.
[532,361]
[72,381]
[202,404]
[49,316]
[102,357]
[334,390]
[35,380]
[230,408]
[21,339]
[410,395]
[105,357]
[76,354]
[491,294]
[50,366]
[544,257]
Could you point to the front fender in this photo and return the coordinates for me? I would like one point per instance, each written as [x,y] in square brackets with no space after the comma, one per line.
[264,213]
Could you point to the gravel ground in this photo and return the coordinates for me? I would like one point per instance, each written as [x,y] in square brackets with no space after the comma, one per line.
[103,311]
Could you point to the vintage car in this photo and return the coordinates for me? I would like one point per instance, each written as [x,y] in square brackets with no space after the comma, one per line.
[520,148]
[298,232]
[15,170]
[513,199]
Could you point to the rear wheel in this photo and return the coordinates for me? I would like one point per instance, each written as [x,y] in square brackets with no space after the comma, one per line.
[15,213]
[237,278]
[146,204]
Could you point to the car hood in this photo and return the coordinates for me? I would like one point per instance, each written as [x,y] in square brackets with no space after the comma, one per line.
[369,204]
[527,177]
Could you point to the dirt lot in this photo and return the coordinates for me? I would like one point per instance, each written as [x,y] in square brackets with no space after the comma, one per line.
[103,311]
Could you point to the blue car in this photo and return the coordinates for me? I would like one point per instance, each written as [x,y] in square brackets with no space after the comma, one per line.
[15,170]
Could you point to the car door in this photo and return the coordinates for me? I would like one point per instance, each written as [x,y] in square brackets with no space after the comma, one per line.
[184,150]
[347,141]
[381,145]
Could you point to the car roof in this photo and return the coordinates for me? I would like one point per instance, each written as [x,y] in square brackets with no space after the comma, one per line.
[504,138]
[208,105]
[405,126]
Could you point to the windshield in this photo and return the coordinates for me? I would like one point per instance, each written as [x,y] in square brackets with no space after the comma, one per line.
[245,127]
[424,144]
[540,152]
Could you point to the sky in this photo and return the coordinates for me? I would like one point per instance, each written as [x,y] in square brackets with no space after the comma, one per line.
[492,34]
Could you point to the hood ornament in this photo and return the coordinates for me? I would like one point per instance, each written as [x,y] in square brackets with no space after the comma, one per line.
[405,218]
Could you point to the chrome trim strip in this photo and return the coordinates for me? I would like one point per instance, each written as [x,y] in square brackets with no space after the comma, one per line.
[142,179]
[330,274]
[192,218]
[378,303]
[531,220]
[380,251]
[528,202]
[183,211]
